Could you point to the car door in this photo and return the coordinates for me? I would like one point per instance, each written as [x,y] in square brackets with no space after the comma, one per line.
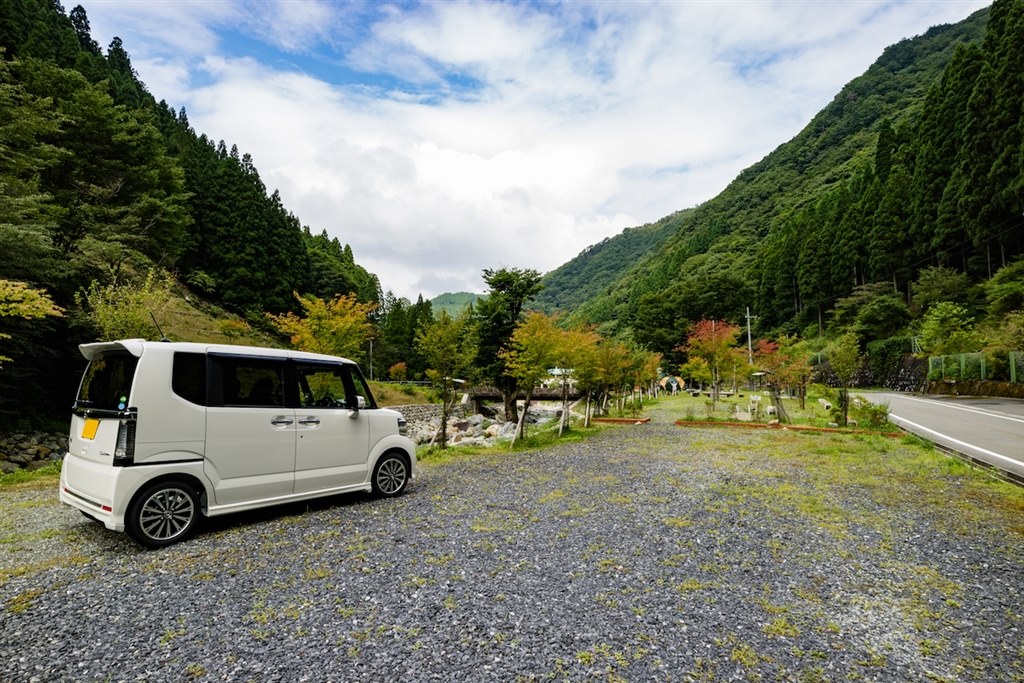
[333,435]
[250,433]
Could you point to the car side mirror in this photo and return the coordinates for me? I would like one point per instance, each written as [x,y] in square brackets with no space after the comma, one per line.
[360,404]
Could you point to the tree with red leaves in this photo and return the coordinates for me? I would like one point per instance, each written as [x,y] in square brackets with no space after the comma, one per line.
[714,341]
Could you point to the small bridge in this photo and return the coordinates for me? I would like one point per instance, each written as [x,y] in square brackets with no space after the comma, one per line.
[483,394]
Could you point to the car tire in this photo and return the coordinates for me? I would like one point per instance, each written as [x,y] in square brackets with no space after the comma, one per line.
[163,513]
[390,475]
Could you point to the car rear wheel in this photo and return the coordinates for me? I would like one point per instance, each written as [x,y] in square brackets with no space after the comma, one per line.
[162,514]
[391,475]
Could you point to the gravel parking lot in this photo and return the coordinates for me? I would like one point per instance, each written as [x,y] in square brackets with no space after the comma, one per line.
[648,552]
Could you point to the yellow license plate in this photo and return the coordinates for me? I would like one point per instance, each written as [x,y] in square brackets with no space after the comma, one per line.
[90,427]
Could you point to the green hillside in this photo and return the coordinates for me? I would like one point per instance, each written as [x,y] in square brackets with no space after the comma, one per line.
[915,164]
[600,265]
[453,303]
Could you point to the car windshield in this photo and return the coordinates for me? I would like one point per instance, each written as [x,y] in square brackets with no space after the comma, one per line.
[107,383]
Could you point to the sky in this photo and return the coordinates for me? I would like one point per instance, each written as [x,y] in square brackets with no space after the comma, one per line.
[438,139]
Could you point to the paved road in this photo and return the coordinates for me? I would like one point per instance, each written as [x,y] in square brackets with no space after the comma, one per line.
[987,429]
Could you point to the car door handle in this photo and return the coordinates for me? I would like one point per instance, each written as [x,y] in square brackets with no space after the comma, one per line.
[309,421]
[281,421]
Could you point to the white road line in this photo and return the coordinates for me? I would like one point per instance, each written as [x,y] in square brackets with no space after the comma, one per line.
[978,449]
[990,413]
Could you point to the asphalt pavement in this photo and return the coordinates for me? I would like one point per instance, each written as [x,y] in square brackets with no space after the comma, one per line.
[988,429]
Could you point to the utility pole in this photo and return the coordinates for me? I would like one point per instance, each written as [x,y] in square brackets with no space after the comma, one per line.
[750,344]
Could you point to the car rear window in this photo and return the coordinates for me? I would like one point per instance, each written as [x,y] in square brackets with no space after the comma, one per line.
[107,382]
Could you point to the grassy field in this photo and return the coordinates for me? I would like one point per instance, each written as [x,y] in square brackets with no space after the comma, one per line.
[812,414]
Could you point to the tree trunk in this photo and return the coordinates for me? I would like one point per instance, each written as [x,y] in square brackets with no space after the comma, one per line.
[521,424]
[443,429]
[844,406]
[780,410]
[565,407]
[714,388]
[508,399]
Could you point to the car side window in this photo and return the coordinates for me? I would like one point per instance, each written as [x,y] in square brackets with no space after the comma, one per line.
[251,382]
[322,386]
[188,377]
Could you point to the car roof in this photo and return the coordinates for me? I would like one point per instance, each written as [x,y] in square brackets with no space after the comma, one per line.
[137,347]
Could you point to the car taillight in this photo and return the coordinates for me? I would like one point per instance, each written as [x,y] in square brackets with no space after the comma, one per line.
[124,451]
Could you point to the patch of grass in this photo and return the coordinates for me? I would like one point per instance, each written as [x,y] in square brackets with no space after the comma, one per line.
[388,394]
[46,475]
[552,496]
[417,582]
[438,560]
[316,573]
[63,561]
[43,534]
[23,601]
[744,655]
[780,627]
[502,520]
[690,585]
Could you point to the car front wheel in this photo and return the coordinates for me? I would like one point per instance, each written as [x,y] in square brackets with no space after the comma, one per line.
[391,475]
[162,514]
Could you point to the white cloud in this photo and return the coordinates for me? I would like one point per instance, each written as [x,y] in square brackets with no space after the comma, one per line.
[439,139]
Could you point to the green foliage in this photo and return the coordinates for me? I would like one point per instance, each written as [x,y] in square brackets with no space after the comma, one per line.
[948,328]
[333,270]
[338,327]
[885,358]
[1005,291]
[844,357]
[449,347]
[496,317]
[938,283]
[17,299]
[870,415]
[535,347]
[126,309]
[882,317]
[398,322]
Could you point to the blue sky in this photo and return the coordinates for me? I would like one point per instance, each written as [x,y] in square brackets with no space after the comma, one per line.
[442,138]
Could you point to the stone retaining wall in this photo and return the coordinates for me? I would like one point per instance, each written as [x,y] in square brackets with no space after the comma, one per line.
[425,412]
[30,451]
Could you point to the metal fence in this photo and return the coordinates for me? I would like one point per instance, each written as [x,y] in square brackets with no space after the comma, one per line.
[977,366]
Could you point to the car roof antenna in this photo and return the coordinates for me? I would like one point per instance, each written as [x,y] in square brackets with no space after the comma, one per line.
[161,332]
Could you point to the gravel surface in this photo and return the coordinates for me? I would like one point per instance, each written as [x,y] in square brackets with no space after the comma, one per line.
[648,552]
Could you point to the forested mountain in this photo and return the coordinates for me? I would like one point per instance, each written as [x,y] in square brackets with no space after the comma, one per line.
[453,303]
[100,182]
[914,166]
[599,265]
